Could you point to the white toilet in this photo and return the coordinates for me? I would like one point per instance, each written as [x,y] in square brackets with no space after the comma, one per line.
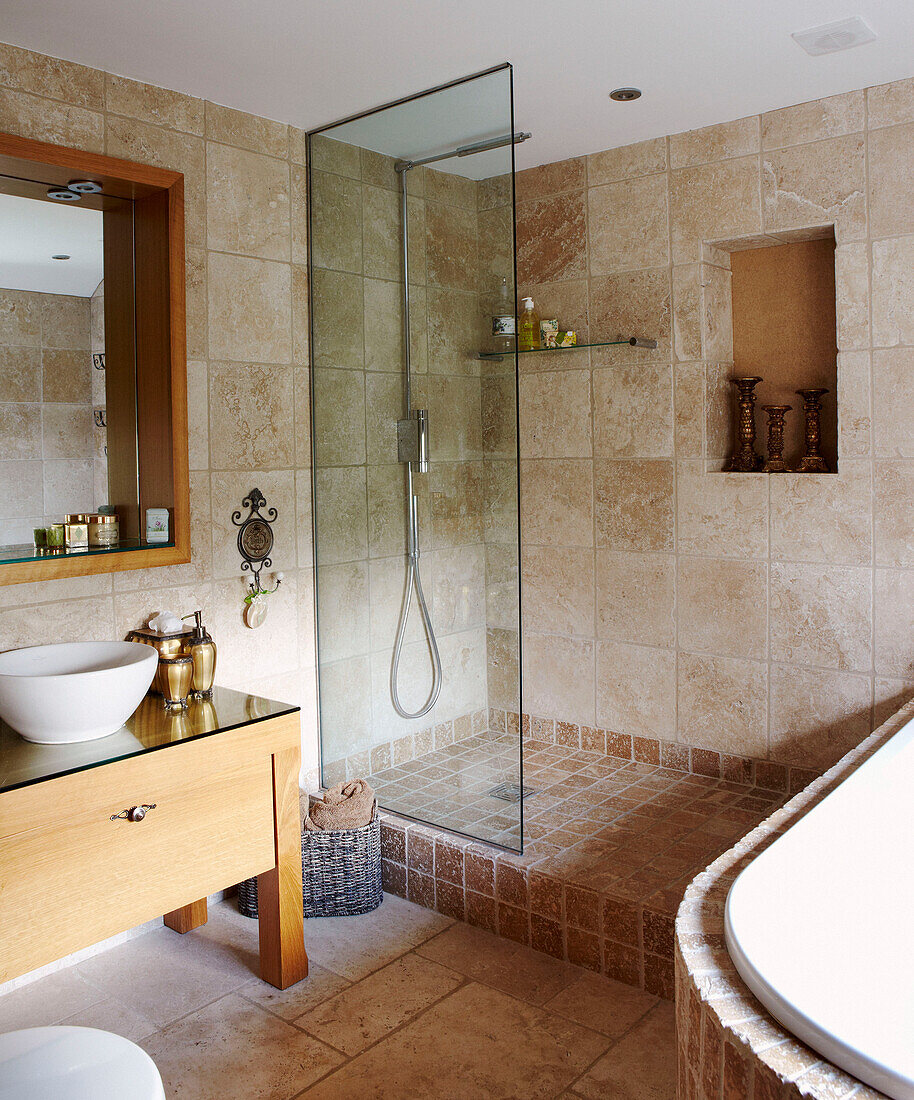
[75,1063]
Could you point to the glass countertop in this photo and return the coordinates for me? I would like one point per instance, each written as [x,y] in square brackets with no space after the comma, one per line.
[150,727]
[28,552]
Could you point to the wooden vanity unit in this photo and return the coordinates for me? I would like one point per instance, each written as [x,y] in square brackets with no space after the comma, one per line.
[100,836]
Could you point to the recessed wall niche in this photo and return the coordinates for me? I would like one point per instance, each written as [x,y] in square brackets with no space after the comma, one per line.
[784,331]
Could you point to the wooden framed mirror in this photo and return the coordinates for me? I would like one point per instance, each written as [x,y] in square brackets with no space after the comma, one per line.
[92,359]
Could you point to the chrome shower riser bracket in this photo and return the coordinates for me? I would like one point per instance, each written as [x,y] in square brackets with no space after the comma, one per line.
[412,440]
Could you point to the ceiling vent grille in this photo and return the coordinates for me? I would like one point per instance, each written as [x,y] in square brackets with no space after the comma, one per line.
[834,37]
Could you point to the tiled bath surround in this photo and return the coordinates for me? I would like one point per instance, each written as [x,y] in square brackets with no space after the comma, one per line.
[729,1046]
[764,616]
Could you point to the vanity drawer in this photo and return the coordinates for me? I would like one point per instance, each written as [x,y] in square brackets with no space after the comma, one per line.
[71,876]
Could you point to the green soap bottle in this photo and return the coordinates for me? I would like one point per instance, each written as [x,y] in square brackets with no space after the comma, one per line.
[528,327]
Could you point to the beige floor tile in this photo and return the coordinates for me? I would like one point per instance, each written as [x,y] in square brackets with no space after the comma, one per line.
[111,1015]
[642,1066]
[231,1048]
[47,1001]
[354,947]
[380,1003]
[602,1004]
[503,964]
[476,1044]
[163,975]
[318,987]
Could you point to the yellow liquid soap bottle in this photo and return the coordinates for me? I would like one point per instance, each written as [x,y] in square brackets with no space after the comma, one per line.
[528,327]
[202,649]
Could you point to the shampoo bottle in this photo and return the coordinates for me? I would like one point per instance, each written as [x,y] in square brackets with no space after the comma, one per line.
[202,649]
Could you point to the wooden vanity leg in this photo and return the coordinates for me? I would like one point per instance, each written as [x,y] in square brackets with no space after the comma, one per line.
[283,960]
[187,917]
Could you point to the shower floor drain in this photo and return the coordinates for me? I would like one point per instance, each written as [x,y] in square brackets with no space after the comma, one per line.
[511,792]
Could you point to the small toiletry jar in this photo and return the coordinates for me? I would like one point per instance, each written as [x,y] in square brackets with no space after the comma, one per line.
[56,538]
[104,530]
[40,538]
[548,333]
[76,531]
[157,525]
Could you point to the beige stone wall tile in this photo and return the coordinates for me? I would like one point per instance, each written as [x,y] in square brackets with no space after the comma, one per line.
[495,230]
[721,514]
[894,602]
[560,674]
[228,489]
[248,204]
[636,690]
[889,104]
[339,397]
[197,415]
[22,491]
[383,324]
[380,233]
[338,157]
[719,142]
[891,195]
[687,312]
[20,318]
[711,202]
[814,120]
[66,431]
[456,580]
[499,424]
[716,314]
[552,238]
[852,296]
[453,334]
[632,303]
[636,597]
[26,71]
[64,321]
[382,607]
[555,408]
[634,504]
[628,225]
[248,656]
[454,407]
[502,668]
[889,696]
[251,416]
[817,716]
[893,390]
[337,212]
[149,103]
[378,170]
[450,188]
[821,615]
[89,620]
[893,504]
[134,140]
[196,302]
[301,396]
[260,135]
[817,185]
[550,179]
[723,704]
[633,411]
[824,517]
[41,119]
[722,607]
[456,503]
[558,590]
[688,409]
[66,375]
[854,412]
[387,511]
[339,307]
[627,162]
[20,373]
[451,247]
[893,292]
[342,610]
[250,309]
[557,502]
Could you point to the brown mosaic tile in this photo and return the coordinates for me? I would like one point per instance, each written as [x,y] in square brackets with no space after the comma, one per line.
[420,888]
[547,936]
[513,923]
[584,949]
[393,842]
[622,963]
[511,885]
[448,863]
[545,896]
[593,740]
[420,852]
[582,908]
[705,762]
[450,900]
[619,744]
[481,911]
[657,930]
[771,776]
[393,877]
[646,750]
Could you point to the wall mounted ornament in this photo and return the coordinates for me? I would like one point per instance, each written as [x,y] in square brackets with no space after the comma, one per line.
[812,461]
[745,459]
[255,544]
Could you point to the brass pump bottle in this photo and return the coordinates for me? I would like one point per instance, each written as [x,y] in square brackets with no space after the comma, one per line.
[202,649]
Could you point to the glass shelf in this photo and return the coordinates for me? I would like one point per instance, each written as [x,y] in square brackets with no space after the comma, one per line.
[27,552]
[633,341]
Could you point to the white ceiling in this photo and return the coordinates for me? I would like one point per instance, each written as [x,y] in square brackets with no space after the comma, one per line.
[32,231]
[311,62]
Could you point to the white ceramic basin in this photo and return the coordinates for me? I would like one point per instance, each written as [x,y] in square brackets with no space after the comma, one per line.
[75,691]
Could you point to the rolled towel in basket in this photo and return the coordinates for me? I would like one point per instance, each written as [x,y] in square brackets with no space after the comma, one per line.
[345,806]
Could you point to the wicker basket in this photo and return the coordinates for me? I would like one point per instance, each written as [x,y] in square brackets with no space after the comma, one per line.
[341,872]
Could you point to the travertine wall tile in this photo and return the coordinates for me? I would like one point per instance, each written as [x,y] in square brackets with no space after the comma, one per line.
[890,160]
[888,104]
[719,142]
[817,716]
[894,614]
[636,597]
[628,225]
[722,607]
[558,590]
[819,184]
[634,504]
[627,162]
[633,411]
[247,203]
[556,414]
[824,517]
[623,703]
[893,292]
[711,202]
[819,118]
[26,71]
[723,703]
[893,413]
[149,103]
[550,179]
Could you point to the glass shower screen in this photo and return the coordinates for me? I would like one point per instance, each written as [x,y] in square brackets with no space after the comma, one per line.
[414,437]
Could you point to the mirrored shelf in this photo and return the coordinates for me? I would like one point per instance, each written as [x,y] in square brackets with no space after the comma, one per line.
[633,341]
[27,552]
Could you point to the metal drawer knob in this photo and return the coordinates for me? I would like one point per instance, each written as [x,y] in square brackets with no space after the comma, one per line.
[135,813]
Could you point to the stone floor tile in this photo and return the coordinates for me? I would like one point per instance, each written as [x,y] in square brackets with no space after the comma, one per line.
[47,1001]
[318,987]
[380,1003]
[233,1049]
[111,1015]
[641,1066]
[602,1004]
[476,1044]
[503,964]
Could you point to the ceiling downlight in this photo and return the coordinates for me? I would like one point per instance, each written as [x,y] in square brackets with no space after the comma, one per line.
[625,95]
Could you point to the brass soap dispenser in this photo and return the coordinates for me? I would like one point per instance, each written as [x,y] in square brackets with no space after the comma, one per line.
[202,649]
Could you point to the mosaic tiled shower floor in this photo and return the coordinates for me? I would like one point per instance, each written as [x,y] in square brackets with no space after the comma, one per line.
[635,830]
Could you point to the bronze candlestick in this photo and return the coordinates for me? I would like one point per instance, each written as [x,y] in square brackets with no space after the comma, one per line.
[812,462]
[744,458]
[776,463]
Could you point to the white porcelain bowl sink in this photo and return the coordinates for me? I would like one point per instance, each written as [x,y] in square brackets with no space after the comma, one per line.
[75,691]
